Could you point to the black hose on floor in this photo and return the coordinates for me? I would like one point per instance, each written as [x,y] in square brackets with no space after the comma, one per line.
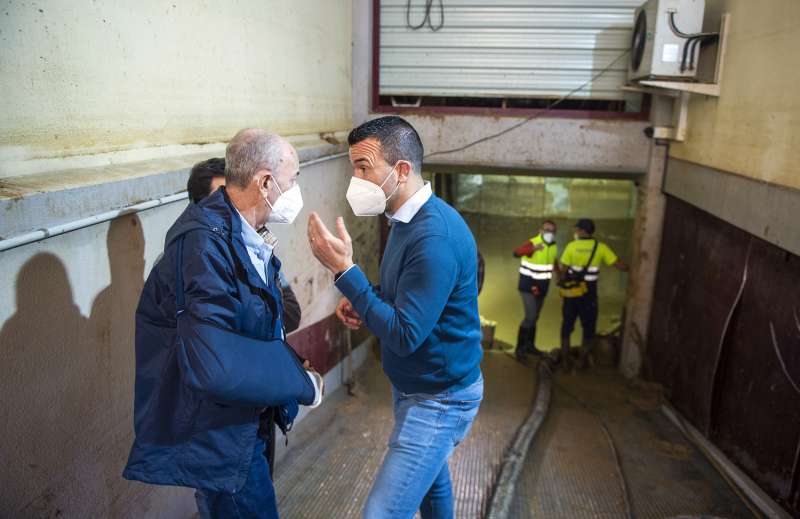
[505,487]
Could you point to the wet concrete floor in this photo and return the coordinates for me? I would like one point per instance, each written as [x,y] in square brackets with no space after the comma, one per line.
[335,453]
[571,470]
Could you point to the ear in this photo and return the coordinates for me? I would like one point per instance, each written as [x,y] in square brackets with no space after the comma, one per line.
[263,178]
[404,171]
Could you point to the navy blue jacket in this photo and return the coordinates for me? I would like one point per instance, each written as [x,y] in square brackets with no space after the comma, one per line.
[209,358]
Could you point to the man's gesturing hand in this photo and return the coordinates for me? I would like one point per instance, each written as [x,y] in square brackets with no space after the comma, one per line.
[348,316]
[335,254]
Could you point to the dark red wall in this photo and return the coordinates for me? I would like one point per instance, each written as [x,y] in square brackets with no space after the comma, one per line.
[728,380]
[323,343]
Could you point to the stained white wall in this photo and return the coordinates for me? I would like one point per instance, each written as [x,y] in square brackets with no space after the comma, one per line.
[84,77]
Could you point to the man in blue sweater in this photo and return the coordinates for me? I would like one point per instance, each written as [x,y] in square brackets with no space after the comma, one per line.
[425,313]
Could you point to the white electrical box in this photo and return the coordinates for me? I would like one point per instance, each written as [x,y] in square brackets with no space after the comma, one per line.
[663,45]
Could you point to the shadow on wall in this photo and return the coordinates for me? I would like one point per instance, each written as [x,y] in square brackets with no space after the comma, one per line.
[67,386]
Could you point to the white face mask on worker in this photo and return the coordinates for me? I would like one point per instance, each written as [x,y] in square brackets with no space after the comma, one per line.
[287,206]
[548,237]
[368,199]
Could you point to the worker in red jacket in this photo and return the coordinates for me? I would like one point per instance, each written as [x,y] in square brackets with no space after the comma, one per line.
[537,259]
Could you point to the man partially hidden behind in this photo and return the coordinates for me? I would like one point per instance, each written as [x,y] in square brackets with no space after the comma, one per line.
[425,313]
[210,355]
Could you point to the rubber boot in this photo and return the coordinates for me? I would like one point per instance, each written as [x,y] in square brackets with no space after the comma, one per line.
[587,351]
[523,337]
[566,358]
[531,345]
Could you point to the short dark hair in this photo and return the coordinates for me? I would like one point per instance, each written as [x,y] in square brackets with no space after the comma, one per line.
[551,222]
[587,224]
[199,184]
[399,140]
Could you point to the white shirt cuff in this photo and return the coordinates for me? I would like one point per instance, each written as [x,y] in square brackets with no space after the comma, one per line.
[316,381]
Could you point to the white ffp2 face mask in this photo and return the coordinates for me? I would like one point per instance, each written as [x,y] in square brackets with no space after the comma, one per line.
[287,206]
[366,198]
[548,237]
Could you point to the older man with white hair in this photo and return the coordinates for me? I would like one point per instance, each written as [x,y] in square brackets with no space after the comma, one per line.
[210,350]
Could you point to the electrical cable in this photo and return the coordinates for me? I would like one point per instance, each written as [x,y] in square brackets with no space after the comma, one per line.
[780,359]
[681,34]
[725,326]
[692,46]
[687,36]
[427,17]
[534,116]
[685,52]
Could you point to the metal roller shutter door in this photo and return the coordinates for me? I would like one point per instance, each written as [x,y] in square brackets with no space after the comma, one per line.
[508,48]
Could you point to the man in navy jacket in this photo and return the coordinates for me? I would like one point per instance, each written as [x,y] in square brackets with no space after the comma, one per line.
[210,354]
[424,312]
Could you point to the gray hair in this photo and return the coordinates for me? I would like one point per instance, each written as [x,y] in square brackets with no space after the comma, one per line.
[252,150]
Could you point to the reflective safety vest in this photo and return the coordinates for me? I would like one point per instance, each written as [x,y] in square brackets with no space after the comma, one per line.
[577,253]
[539,265]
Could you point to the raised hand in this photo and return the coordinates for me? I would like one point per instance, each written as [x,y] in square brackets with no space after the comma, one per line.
[335,253]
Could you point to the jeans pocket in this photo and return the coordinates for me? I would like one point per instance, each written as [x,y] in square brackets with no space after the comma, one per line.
[470,395]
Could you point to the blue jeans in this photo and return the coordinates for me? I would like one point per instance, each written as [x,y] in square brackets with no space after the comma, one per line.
[256,499]
[414,475]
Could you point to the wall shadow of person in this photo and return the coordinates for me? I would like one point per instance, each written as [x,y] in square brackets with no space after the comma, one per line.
[111,329]
[68,386]
[48,385]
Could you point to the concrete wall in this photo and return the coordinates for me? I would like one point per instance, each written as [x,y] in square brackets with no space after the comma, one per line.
[67,357]
[82,77]
[751,129]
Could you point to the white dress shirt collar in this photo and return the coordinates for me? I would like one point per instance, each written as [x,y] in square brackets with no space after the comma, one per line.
[259,251]
[411,207]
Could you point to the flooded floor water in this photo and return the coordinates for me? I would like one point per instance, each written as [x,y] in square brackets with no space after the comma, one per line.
[504,212]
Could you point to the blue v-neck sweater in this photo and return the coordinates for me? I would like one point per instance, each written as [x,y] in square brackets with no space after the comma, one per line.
[425,312]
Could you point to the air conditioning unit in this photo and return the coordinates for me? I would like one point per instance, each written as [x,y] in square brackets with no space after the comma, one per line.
[666,39]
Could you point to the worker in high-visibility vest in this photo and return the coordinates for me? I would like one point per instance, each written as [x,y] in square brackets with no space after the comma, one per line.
[537,261]
[580,263]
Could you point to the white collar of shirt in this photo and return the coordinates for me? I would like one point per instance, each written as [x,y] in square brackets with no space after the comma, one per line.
[412,206]
[259,251]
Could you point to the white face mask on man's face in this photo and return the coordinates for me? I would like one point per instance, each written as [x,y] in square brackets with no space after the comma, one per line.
[548,236]
[287,206]
[368,199]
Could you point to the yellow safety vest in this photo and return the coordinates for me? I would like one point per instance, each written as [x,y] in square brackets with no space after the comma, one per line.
[577,253]
[539,265]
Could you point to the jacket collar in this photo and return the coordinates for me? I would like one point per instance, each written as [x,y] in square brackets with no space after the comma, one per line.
[239,247]
[218,214]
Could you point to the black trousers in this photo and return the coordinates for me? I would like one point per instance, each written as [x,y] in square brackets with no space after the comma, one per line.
[583,308]
[266,431]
